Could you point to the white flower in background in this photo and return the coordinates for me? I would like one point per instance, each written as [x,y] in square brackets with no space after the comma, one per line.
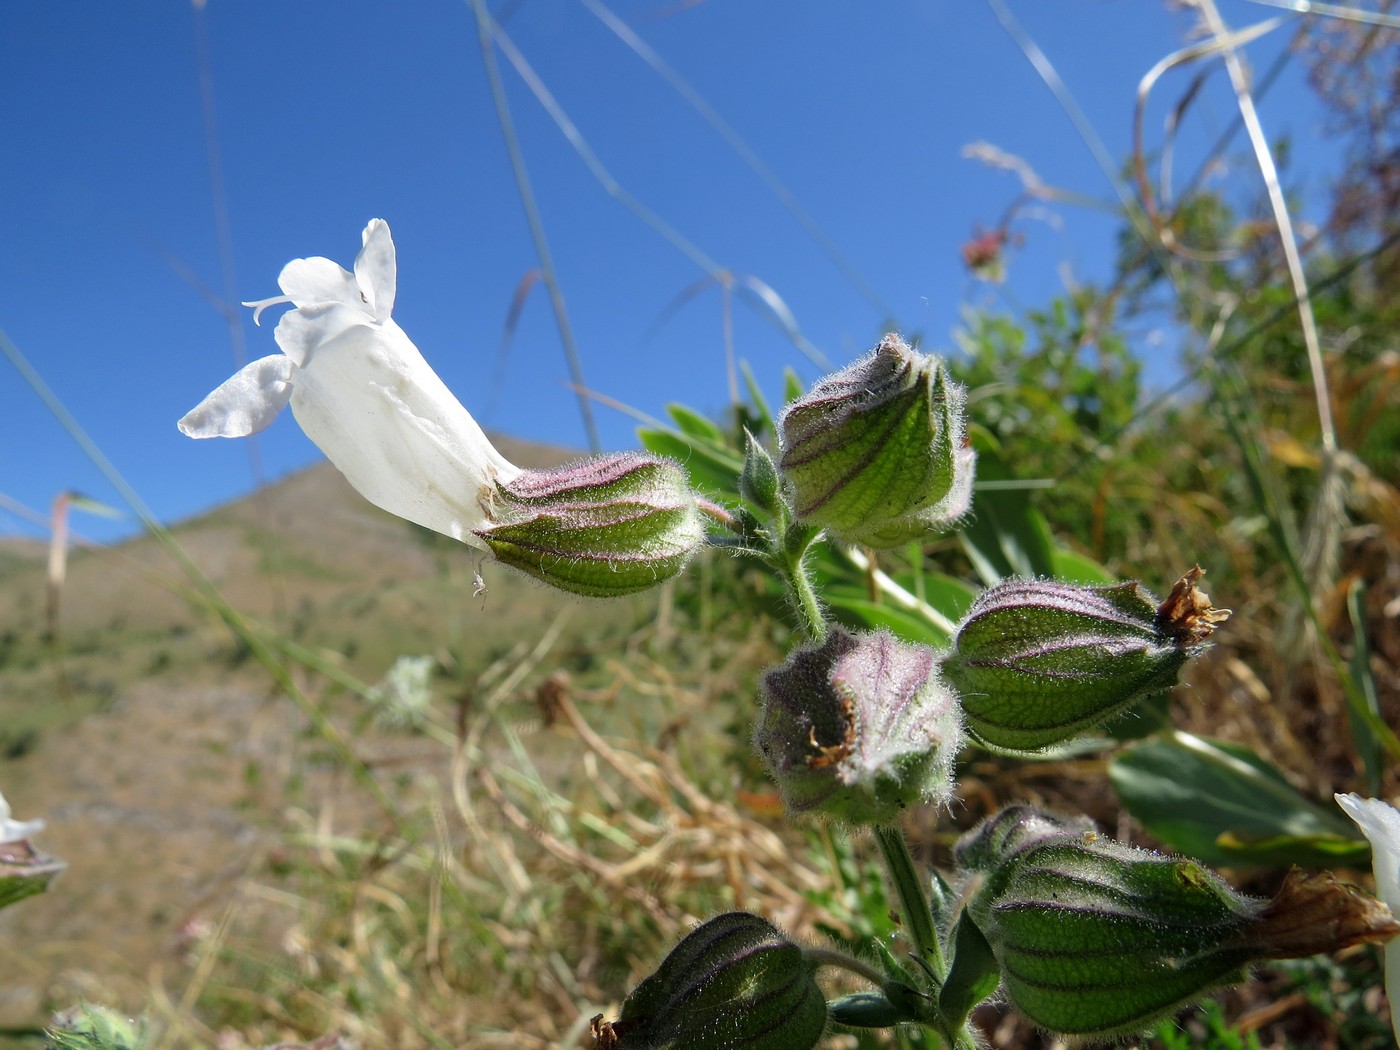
[1381,824]
[16,830]
[406,694]
[363,393]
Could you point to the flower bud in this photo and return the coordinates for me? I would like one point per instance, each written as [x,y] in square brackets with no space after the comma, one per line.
[1038,662]
[734,983]
[859,726]
[1095,938]
[758,482]
[875,453]
[603,527]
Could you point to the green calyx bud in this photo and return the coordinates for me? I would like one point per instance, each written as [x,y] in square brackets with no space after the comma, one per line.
[859,727]
[758,482]
[603,527]
[875,454]
[734,983]
[1038,662]
[1093,937]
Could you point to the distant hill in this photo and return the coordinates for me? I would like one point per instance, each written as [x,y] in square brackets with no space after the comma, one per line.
[157,749]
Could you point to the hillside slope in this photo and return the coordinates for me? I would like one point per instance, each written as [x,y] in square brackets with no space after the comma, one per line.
[160,752]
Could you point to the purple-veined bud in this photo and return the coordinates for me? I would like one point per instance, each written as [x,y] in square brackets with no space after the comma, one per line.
[1038,662]
[875,453]
[603,527]
[733,983]
[1093,937]
[859,727]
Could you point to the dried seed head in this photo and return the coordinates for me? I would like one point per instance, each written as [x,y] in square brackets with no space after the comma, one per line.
[859,727]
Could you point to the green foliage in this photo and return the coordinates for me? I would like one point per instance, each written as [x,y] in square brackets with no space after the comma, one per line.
[1226,805]
[1058,395]
[1207,1029]
[92,1027]
[1344,991]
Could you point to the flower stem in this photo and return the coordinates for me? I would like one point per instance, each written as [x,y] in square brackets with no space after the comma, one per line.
[789,562]
[719,515]
[913,902]
[804,598]
[827,957]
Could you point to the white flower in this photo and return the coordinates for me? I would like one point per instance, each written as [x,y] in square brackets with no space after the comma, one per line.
[16,830]
[1381,824]
[363,393]
[406,694]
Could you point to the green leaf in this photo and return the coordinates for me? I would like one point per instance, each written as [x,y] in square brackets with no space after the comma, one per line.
[948,594]
[694,425]
[1142,719]
[974,976]
[712,470]
[760,403]
[792,386]
[1363,706]
[1006,535]
[1078,568]
[1224,804]
[856,610]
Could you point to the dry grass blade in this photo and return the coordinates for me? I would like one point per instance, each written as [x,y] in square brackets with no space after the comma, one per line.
[1193,53]
[746,152]
[615,189]
[487,33]
[1342,11]
[1326,515]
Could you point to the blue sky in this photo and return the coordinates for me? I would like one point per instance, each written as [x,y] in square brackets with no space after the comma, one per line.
[329,114]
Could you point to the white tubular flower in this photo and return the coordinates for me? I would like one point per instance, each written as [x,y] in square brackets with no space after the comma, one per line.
[1381,824]
[16,830]
[363,393]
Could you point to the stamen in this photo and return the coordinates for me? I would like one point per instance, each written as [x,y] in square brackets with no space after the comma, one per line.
[262,304]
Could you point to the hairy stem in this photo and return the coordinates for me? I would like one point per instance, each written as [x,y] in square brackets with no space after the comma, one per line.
[827,957]
[913,902]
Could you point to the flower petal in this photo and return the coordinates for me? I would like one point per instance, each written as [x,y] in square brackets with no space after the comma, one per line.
[376,269]
[16,830]
[385,419]
[300,332]
[1380,823]
[246,402]
[307,282]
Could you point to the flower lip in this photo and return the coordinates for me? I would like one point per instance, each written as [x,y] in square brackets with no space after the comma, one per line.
[370,290]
